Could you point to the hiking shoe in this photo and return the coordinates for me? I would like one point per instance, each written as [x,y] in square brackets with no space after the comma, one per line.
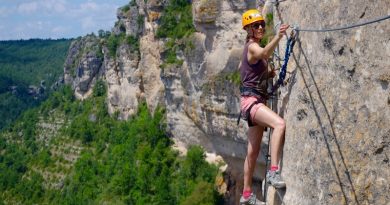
[250,200]
[275,179]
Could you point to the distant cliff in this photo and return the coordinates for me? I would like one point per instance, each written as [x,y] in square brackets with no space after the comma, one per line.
[29,71]
[336,102]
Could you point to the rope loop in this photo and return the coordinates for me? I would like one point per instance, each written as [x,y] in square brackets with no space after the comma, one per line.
[282,74]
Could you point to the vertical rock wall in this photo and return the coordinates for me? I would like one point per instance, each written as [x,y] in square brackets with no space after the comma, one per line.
[337,109]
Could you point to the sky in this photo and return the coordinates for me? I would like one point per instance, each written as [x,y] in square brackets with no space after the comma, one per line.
[25,19]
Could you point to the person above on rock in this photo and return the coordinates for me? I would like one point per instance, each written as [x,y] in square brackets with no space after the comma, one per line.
[254,76]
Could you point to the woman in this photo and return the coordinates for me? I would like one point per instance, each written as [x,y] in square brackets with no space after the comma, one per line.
[254,76]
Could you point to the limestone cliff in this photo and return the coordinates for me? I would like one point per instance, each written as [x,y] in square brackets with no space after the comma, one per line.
[336,102]
[338,109]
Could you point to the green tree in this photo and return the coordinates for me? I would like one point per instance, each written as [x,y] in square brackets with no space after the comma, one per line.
[24,63]
[100,88]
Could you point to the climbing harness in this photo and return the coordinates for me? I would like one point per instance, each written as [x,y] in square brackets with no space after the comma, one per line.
[247,91]
[248,114]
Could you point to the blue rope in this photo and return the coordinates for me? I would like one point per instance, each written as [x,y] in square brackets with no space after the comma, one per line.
[282,74]
[283,70]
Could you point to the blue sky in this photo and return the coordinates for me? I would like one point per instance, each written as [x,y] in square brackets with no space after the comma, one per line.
[25,19]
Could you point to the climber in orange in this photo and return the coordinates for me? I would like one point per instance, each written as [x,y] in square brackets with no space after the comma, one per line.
[254,81]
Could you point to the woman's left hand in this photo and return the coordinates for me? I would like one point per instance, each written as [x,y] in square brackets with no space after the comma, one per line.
[282,30]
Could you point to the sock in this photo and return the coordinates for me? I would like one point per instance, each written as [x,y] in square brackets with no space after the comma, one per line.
[274,168]
[246,193]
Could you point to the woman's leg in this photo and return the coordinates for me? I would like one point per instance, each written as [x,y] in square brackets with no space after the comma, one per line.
[255,134]
[266,117]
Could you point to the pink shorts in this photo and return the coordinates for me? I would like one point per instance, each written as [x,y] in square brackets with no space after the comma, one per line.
[246,102]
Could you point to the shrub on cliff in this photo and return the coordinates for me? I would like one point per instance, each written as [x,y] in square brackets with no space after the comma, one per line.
[176,21]
[175,24]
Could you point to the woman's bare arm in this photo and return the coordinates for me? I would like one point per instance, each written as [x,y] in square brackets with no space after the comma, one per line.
[257,52]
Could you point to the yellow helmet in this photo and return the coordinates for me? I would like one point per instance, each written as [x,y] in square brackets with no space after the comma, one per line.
[251,16]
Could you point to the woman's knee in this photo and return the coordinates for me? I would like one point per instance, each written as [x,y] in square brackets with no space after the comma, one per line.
[280,124]
[253,154]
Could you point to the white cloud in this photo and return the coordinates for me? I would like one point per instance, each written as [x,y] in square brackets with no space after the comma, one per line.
[4,11]
[89,6]
[58,6]
[55,18]
[43,6]
[29,7]
[59,31]
[37,25]
[88,23]
[94,16]
[19,32]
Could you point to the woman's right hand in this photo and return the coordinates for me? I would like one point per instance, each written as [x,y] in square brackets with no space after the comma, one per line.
[282,30]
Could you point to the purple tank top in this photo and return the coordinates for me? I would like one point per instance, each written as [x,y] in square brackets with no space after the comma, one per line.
[254,76]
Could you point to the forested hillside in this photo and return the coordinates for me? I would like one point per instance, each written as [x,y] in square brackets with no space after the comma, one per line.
[68,151]
[28,70]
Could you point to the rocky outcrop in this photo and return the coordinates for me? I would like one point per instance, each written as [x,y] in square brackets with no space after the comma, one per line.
[132,76]
[83,65]
[336,102]
[129,20]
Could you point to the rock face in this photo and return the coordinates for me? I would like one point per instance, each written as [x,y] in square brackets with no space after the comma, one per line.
[337,109]
[336,104]
[83,65]
[123,80]
[202,104]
